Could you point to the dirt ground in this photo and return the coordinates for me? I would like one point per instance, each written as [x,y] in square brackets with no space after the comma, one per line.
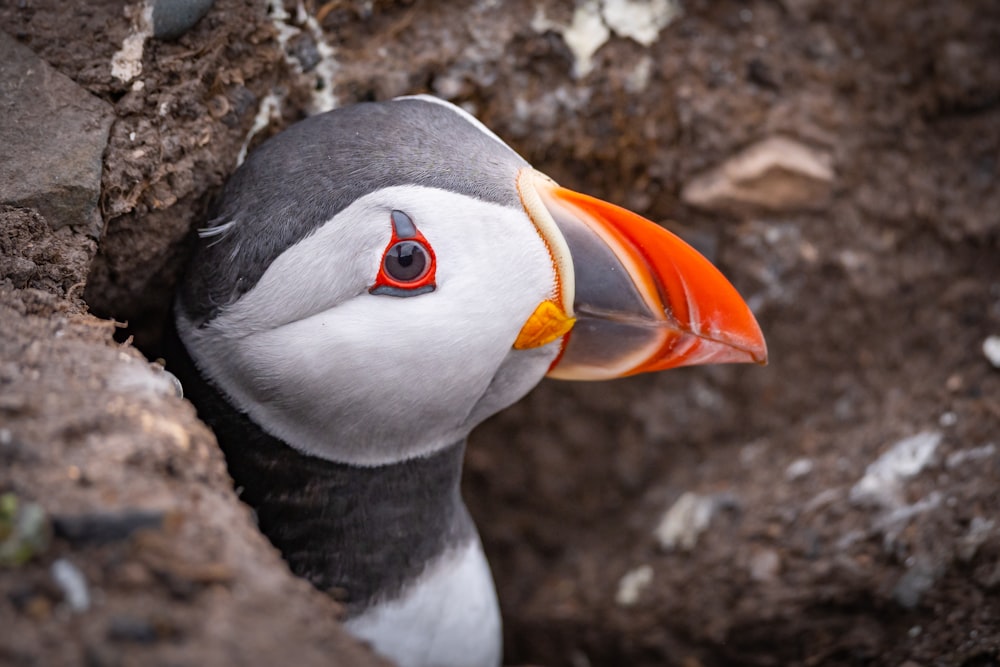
[838,507]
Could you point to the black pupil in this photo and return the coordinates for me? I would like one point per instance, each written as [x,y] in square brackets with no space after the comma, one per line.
[406,261]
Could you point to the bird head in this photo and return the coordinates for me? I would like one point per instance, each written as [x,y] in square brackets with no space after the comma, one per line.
[381,278]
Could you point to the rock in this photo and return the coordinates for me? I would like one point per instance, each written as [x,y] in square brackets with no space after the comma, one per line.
[980,455]
[915,582]
[682,524]
[882,483]
[132,629]
[777,174]
[54,134]
[72,583]
[173,18]
[102,527]
[632,584]
[991,349]
[799,468]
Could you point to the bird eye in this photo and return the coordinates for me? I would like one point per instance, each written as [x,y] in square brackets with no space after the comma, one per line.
[408,264]
[406,261]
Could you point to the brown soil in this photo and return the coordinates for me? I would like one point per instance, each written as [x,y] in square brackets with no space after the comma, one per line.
[875,306]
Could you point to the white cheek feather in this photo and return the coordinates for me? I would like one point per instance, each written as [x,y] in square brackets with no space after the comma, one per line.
[311,276]
[368,379]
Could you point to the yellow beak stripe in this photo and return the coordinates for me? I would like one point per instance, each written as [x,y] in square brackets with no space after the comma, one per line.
[545,325]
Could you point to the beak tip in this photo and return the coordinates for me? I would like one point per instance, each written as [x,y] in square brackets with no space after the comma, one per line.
[757,349]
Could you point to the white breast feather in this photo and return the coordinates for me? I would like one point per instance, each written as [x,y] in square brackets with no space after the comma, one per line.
[448,618]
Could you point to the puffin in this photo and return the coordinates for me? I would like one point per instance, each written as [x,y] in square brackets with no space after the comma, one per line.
[372,283]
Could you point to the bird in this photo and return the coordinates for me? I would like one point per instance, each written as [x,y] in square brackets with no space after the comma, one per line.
[372,283]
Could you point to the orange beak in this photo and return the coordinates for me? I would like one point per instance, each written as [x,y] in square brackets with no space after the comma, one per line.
[643,299]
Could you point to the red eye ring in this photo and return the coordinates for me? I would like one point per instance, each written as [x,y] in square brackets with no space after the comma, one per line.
[408,264]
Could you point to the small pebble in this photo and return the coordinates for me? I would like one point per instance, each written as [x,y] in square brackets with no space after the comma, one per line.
[991,348]
[176,383]
[883,479]
[682,524]
[72,583]
[632,584]
[916,581]
[983,453]
[798,468]
[131,629]
[173,18]
[103,527]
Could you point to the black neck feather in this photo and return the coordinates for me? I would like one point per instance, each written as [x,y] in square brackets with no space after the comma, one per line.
[360,533]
